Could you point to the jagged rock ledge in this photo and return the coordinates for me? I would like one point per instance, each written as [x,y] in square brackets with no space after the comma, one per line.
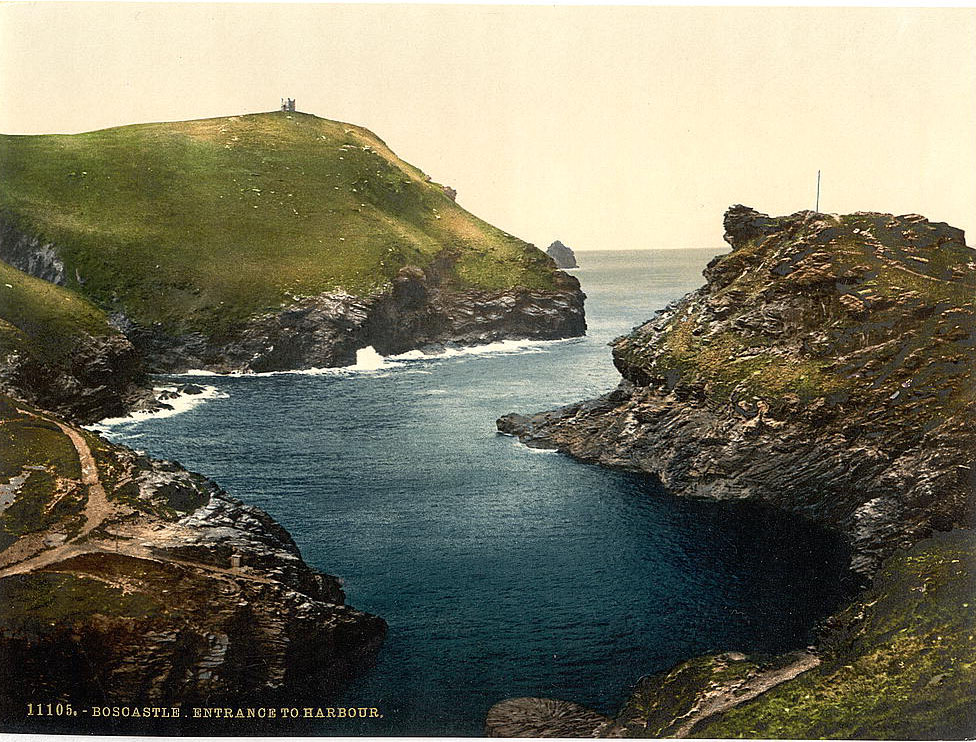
[148,585]
[416,313]
[825,367]
[420,309]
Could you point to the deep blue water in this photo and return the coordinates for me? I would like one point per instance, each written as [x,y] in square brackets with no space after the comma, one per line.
[502,571]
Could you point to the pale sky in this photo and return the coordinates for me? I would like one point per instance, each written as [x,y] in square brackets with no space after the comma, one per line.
[605,127]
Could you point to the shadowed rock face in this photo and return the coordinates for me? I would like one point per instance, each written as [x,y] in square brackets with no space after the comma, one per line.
[102,377]
[542,717]
[140,583]
[417,312]
[825,367]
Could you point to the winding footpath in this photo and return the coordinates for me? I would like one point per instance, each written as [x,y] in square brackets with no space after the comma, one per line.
[97,511]
[725,698]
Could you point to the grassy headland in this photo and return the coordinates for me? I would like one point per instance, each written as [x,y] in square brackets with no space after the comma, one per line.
[195,225]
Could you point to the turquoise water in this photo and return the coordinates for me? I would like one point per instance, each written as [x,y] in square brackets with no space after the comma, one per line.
[502,571]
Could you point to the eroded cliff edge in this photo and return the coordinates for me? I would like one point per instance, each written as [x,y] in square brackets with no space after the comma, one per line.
[824,367]
[130,581]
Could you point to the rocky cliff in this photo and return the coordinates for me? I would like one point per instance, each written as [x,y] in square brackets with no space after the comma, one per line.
[130,581]
[59,351]
[824,367]
[267,242]
[564,256]
[415,312]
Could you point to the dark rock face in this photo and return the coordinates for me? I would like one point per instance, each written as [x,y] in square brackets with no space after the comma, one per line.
[103,377]
[543,717]
[417,312]
[564,256]
[420,310]
[30,254]
[825,367]
[180,595]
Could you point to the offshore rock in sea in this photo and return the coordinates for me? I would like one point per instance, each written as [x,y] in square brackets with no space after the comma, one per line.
[564,256]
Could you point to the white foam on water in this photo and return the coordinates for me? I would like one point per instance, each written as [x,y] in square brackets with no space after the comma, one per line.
[182,403]
[369,361]
[531,449]
[501,347]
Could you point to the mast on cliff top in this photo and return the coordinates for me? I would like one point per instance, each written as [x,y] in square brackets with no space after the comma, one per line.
[818,193]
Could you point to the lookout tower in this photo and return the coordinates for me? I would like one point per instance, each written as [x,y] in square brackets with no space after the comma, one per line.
[288,104]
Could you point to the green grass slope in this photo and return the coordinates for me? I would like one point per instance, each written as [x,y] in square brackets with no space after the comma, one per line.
[197,224]
[902,664]
[42,321]
[896,664]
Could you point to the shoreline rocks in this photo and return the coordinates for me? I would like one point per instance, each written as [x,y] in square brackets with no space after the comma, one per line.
[421,308]
[826,368]
[175,594]
[763,384]
[326,331]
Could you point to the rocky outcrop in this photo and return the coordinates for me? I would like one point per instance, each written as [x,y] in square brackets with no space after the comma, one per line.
[164,591]
[824,367]
[30,253]
[564,256]
[101,376]
[416,312]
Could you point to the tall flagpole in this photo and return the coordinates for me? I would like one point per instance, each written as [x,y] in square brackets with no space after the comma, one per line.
[818,192]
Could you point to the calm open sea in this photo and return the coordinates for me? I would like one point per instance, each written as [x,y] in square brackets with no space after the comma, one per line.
[502,571]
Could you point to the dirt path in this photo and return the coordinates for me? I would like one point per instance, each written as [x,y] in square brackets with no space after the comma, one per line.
[756,686]
[97,510]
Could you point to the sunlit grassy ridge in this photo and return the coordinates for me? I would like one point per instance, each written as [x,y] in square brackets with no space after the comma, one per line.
[198,224]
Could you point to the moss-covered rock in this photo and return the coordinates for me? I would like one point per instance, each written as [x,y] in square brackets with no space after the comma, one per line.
[897,664]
